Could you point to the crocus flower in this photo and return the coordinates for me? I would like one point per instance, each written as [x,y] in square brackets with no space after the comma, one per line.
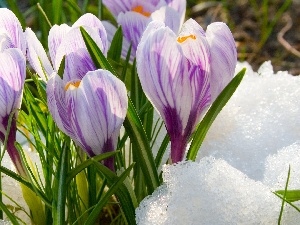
[65,41]
[90,111]
[11,32]
[12,78]
[134,16]
[182,74]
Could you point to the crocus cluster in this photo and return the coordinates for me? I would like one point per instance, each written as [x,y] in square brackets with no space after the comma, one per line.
[182,69]
[183,73]
[87,104]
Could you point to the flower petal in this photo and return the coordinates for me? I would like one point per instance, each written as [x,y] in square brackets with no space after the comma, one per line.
[37,56]
[102,98]
[11,24]
[92,113]
[223,56]
[55,37]
[133,25]
[12,78]
[78,61]
[179,6]
[168,16]
[89,20]
[5,41]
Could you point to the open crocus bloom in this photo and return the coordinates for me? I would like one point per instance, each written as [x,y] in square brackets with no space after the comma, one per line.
[12,78]
[90,111]
[182,74]
[65,41]
[11,32]
[134,15]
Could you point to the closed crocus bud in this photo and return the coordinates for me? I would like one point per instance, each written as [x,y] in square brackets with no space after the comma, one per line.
[90,111]
[11,28]
[134,16]
[12,78]
[176,75]
[66,41]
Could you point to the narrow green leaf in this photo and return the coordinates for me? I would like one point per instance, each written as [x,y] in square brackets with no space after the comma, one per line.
[284,196]
[115,49]
[95,52]
[162,150]
[138,135]
[87,163]
[212,113]
[60,188]
[56,11]
[113,188]
[11,216]
[122,193]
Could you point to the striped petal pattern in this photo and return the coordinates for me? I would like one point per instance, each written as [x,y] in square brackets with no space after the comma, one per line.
[134,16]
[175,72]
[10,25]
[90,111]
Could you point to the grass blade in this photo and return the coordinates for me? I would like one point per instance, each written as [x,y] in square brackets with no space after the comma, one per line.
[116,185]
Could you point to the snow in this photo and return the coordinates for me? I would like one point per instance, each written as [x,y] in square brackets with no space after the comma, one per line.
[244,158]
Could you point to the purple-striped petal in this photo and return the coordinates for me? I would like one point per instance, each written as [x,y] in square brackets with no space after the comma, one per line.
[133,25]
[89,20]
[37,56]
[10,23]
[90,111]
[179,6]
[55,37]
[5,41]
[223,56]
[12,78]
[168,16]
[77,59]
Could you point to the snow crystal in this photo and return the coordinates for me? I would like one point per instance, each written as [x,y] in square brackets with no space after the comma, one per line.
[261,117]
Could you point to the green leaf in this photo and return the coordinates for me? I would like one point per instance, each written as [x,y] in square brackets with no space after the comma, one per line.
[212,113]
[60,189]
[122,193]
[113,188]
[11,216]
[138,135]
[87,163]
[115,49]
[95,52]
[290,195]
[284,195]
[57,11]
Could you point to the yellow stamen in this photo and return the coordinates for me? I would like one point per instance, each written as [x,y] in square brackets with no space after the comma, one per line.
[72,84]
[140,9]
[182,39]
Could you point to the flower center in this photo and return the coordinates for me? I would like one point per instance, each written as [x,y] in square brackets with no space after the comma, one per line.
[140,9]
[72,84]
[184,38]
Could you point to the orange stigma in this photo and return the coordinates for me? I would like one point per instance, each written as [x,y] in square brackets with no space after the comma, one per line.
[139,9]
[72,84]
[183,39]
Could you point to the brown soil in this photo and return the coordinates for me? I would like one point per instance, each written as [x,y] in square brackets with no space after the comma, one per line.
[283,44]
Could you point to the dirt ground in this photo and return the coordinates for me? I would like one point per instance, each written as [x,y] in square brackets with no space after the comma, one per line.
[283,44]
